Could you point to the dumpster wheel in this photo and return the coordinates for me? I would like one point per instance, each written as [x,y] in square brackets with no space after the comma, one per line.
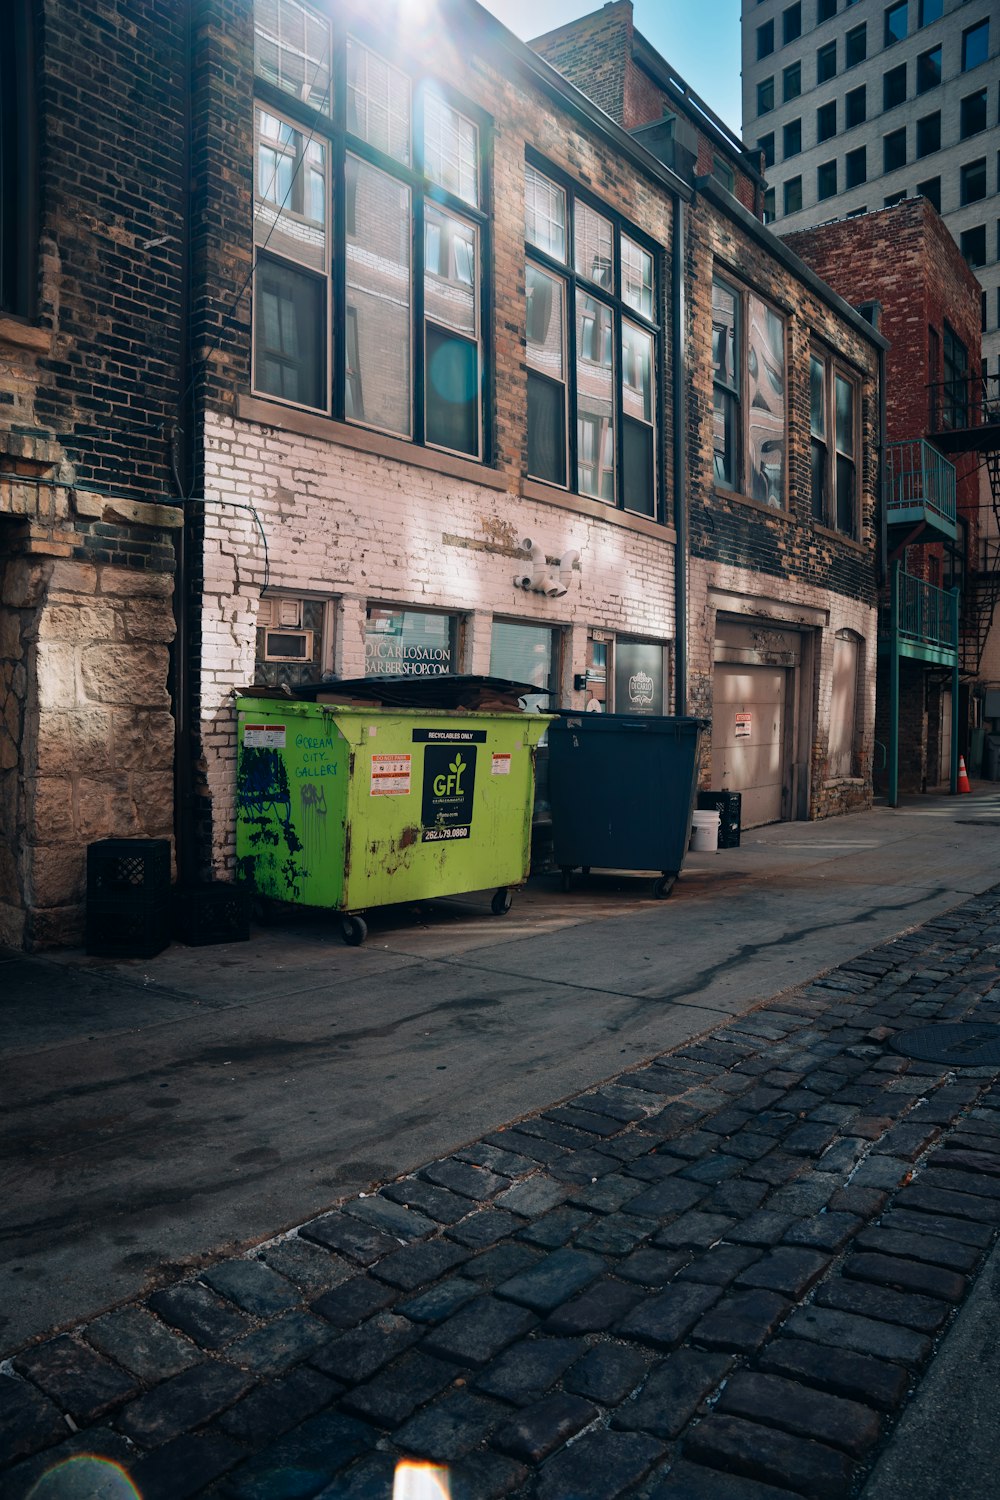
[500,905]
[663,886]
[353,930]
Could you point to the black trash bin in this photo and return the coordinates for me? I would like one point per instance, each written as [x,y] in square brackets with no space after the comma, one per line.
[622,789]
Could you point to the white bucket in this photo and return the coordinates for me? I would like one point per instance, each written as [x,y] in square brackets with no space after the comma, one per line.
[705,831]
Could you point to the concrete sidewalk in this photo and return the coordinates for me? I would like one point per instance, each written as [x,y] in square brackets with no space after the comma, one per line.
[163,1110]
[164,1116]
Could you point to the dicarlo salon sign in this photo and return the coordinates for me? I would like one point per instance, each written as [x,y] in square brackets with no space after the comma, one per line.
[392,657]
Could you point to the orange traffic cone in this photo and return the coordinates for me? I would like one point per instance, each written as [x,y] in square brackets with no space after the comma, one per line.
[963,777]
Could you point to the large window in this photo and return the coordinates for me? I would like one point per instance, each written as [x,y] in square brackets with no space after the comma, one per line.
[793,195]
[826,121]
[972,114]
[894,87]
[895,23]
[855,167]
[855,107]
[975,45]
[529,654]
[791,23]
[972,181]
[593,348]
[826,62]
[833,420]
[856,46]
[748,358]
[929,134]
[791,83]
[955,406]
[18,220]
[894,150]
[826,180]
[369,223]
[409,642]
[929,70]
[791,138]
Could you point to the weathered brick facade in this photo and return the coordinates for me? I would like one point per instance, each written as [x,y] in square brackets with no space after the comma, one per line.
[904,259]
[89,386]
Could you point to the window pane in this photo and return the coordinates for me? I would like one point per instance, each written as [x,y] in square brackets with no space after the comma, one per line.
[765,144]
[595,399]
[972,181]
[524,653]
[929,134]
[451,271]
[290,191]
[378,292]
[403,641]
[856,46]
[895,23]
[637,277]
[378,101]
[725,437]
[930,10]
[846,520]
[544,214]
[931,190]
[765,96]
[792,138]
[451,149]
[592,250]
[826,62]
[639,474]
[637,372]
[451,391]
[855,107]
[292,50]
[894,87]
[855,167]
[546,344]
[792,81]
[724,335]
[766,403]
[793,195]
[973,113]
[894,150]
[791,23]
[928,70]
[290,333]
[844,398]
[826,180]
[817,403]
[975,45]
[546,430]
[817,456]
[826,121]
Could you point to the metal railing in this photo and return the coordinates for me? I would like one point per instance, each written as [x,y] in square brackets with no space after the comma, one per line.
[924,615]
[964,401]
[918,479]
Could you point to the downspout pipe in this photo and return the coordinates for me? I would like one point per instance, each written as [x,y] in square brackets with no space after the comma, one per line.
[955,607]
[182,442]
[677,312]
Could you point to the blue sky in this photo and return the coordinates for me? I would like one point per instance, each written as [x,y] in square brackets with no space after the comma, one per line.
[700,38]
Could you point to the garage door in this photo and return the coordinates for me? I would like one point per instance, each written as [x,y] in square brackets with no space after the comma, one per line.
[748,738]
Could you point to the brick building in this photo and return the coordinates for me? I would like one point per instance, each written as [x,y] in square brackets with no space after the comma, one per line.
[427,323]
[939,533]
[90,348]
[781,588]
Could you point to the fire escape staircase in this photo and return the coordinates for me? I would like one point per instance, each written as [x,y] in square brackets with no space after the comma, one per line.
[966,421]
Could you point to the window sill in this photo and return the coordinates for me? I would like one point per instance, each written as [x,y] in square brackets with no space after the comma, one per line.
[18,335]
[767,510]
[548,494]
[839,536]
[382,445]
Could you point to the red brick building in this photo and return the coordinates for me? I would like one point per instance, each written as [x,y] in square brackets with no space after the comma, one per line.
[905,266]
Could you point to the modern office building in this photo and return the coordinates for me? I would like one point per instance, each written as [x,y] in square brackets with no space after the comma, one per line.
[856,106]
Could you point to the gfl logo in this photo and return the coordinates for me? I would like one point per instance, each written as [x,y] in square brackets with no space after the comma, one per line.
[451,784]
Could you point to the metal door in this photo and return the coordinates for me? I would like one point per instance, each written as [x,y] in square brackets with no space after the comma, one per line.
[749,738]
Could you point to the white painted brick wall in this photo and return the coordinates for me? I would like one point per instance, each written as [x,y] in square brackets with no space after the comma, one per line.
[360,528]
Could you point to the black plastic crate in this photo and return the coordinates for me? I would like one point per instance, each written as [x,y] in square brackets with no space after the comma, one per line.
[133,869]
[728,806]
[124,927]
[212,913]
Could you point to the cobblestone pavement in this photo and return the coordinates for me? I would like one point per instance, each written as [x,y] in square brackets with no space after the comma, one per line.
[719,1275]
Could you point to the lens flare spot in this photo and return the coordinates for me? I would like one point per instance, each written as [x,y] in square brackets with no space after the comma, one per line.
[416,1481]
[85,1476]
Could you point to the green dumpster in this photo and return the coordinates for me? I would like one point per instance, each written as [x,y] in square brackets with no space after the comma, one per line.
[348,808]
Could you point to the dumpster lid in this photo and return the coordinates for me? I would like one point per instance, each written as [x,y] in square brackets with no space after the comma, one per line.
[469,692]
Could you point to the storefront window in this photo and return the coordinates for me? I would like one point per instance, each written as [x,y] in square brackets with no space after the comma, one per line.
[526,653]
[639,677]
[410,642]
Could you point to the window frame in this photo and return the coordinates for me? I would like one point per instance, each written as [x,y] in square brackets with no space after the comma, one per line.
[824,55]
[851,161]
[19,169]
[330,124]
[922,124]
[825,131]
[856,46]
[893,137]
[738,391]
[791,82]
[923,63]
[851,99]
[791,23]
[890,81]
[890,38]
[791,132]
[622,314]
[826,180]
[980,96]
[789,185]
[825,506]
[967,34]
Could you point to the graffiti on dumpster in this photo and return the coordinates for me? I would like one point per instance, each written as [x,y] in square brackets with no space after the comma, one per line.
[448,791]
[264,806]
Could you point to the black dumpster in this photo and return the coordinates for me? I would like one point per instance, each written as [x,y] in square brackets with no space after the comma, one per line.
[622,788]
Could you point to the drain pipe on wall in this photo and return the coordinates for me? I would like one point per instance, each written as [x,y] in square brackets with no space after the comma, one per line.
[677,311]
[182,439]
